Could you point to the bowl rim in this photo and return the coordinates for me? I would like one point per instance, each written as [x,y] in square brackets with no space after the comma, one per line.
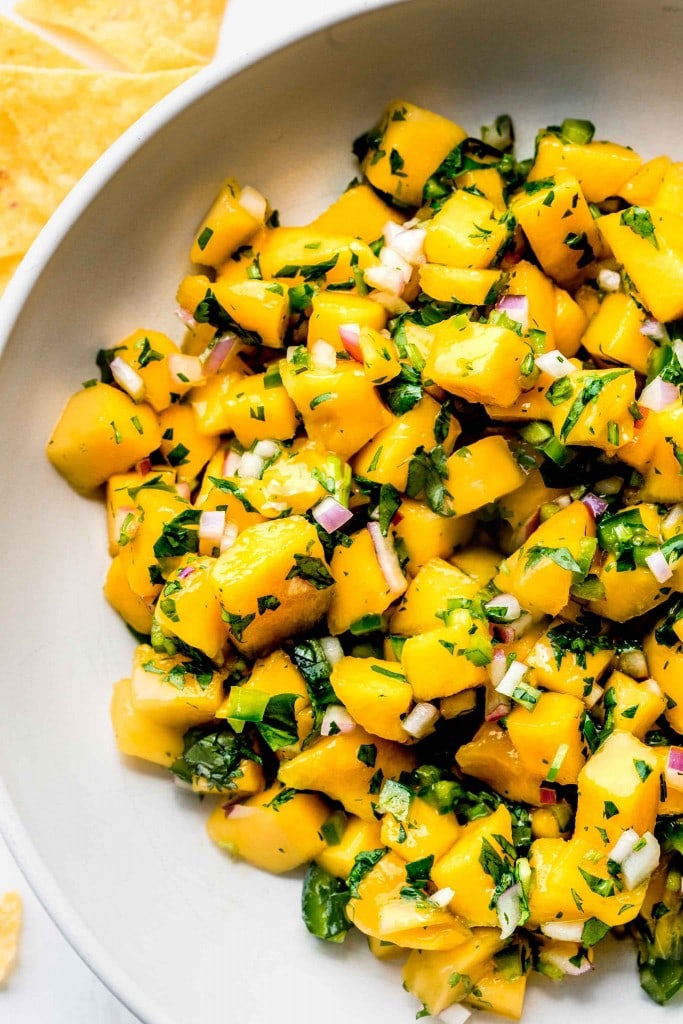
[34,869]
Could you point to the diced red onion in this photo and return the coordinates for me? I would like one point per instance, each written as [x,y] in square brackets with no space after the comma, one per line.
[512,678]
[609,280]
[183,489]
[323,355]
[232,462]
[185,317]
[251,465]
[211,526]
[388,257]
[388,560]
[237,811]
[563,931]
[609,485]
[350,339]
[219,352]
[653,329]
[497,667]
[509,910]
[516,307]
[253,202]
[334,652]
[186,571]
[623,847]
[410,245]
[442,897]
[595,505]
[547,795]
[673,517]
[230,534]
[673,773]
[186,369]
[659,567]
[563,501]
[501,631]
[127,378]
[634,664]
[336,715]
[508,632]
[266,449]
[564,963]
[640,863]
[507,604]
[658,394]
[421,721]
[498,711]
[390,230]
[555,364]
[331,514]
[385,279]
[144,466]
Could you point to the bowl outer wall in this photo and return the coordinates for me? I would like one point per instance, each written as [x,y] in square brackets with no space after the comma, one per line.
[180,932]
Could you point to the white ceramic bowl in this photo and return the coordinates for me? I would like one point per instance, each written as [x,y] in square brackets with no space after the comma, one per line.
[118,854]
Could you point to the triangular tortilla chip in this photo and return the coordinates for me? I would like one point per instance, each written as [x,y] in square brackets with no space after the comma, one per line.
[19,45]
[144,35]
[53,126]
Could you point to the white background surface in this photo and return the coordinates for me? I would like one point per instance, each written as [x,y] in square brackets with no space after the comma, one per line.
[51,985]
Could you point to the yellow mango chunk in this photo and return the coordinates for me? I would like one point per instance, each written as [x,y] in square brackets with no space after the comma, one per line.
[260,306]
[559,668]
[256,411]
[147,352]
[526,279]
[277,830]
[458,284]
[121,490]
[460,869]
[613,335]
[670,194]
[170,690]
[477,561]
[183,445]
[548,738]
[642,187]
[481,473]
[491,757]
[328,401]
[101,432]
[361,589]
[596,410]
[618,789]
[191,291]
[211,403]
[477,361]
[386,457]
[283,252]
[427,535]
[424,605]
[333,766]
[465,232]
[273,582]
[540,584]
[331,309]
[358,836]
[188,608]
[429,976]
[226,227]
[375,694]
[157,509]
[426,832]
[665,665]
[488,181]
[570,323]
[636,704]
[566,874]
[559,226]
[358,211]
[138,735]
[601,168]
[381,911]
[648,242]
[411,144]
[497,994]
[132,608]
[448,660]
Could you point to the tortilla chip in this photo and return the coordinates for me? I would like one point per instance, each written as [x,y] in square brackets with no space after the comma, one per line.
[144,35]
[53,126]
[8,264]
[18,45]
[10,926]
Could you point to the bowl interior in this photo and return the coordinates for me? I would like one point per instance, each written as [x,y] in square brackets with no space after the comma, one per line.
[203,938]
